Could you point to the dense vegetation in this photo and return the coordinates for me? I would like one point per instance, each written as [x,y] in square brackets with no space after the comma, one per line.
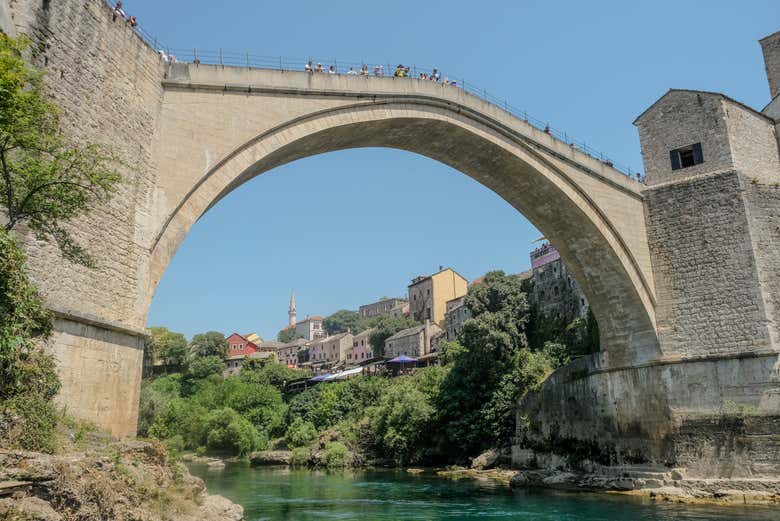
[436,415]
[44,182]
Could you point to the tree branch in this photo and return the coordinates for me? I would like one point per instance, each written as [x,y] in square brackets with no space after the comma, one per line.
[49,185]
[9,192]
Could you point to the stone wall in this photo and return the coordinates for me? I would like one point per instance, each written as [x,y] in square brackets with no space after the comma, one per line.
[707,286]
[753,143]
[763,202]
[6,23]
[100,372]
[715,418]
[107,82]
[770,45]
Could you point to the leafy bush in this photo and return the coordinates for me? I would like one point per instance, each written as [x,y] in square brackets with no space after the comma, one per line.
[300,456]
[202,367]
[401,421]
[175,444]
[28,421]
[23,317]
[227,431]
[300,433]
[269,373]
[336,455]
[558,354]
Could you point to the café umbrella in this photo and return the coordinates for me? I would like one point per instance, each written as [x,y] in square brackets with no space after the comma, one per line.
[403,359]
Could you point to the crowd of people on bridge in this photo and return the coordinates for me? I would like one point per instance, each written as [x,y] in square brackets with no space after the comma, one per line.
[401,71]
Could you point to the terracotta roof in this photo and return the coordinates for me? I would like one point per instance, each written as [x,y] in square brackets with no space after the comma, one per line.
[476,281]
[307,319]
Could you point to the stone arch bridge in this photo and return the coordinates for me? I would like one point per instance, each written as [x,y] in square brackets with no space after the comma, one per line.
[193,133]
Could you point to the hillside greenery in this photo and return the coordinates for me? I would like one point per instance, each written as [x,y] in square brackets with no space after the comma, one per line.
[440,414]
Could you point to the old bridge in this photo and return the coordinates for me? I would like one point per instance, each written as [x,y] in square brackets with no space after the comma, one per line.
[681,274]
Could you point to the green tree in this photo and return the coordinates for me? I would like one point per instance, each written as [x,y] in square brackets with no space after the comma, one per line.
[385,328]
[212,343]
[402,421]
[45,180]
[287,335]
[473,395]
[341,321]
[205,366]
[166,346]
[300,433]
[227,431]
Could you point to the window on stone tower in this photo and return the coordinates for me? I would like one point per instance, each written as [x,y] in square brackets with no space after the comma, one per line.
[686,156]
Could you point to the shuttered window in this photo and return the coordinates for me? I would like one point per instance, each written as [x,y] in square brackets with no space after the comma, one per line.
[686,156]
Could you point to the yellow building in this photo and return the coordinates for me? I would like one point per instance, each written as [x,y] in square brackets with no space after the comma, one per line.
[428,296]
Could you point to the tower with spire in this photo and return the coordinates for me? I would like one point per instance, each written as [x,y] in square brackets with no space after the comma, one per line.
[291,313]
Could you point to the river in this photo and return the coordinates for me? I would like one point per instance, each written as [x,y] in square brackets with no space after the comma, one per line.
[275,494]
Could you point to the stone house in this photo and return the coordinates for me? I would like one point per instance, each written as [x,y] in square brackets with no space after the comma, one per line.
[330,350]
[310,328]
[233,365]
[400,311]
[361,348]
[455,315]
[287,354]
[414,341]
[381,307]
[428,295]
[555,291]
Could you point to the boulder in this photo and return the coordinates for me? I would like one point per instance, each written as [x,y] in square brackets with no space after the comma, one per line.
[486,460]
[31,508]
[218,508]
[271,457]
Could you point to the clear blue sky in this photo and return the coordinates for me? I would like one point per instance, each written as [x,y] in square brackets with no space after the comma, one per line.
[346,228]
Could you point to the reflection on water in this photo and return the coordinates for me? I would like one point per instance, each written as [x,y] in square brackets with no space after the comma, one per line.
[283,494]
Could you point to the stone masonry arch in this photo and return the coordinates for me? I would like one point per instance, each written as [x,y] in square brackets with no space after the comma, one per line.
[594,218]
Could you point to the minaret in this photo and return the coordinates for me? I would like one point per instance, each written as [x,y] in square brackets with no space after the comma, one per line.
[291,312]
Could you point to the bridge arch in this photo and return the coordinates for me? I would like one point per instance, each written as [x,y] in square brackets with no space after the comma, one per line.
[545,187]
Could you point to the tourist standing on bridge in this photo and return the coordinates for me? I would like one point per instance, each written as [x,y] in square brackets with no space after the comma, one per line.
[332,69]
[351,72]
[118,11]
[435,75]
[319,68]
[308,68]
[364,70]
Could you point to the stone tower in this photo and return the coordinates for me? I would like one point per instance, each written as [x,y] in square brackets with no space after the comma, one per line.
[770,46]
[291,313]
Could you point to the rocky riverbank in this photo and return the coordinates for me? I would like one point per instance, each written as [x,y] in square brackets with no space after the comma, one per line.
[128,480]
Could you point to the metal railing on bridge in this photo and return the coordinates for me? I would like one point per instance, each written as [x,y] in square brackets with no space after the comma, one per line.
[259,61]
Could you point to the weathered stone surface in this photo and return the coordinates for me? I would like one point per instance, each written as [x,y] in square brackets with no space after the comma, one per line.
[486,460]
[32,508]
[271,457]
[219,508]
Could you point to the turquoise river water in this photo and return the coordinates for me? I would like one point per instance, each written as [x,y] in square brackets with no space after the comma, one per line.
[275,494]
